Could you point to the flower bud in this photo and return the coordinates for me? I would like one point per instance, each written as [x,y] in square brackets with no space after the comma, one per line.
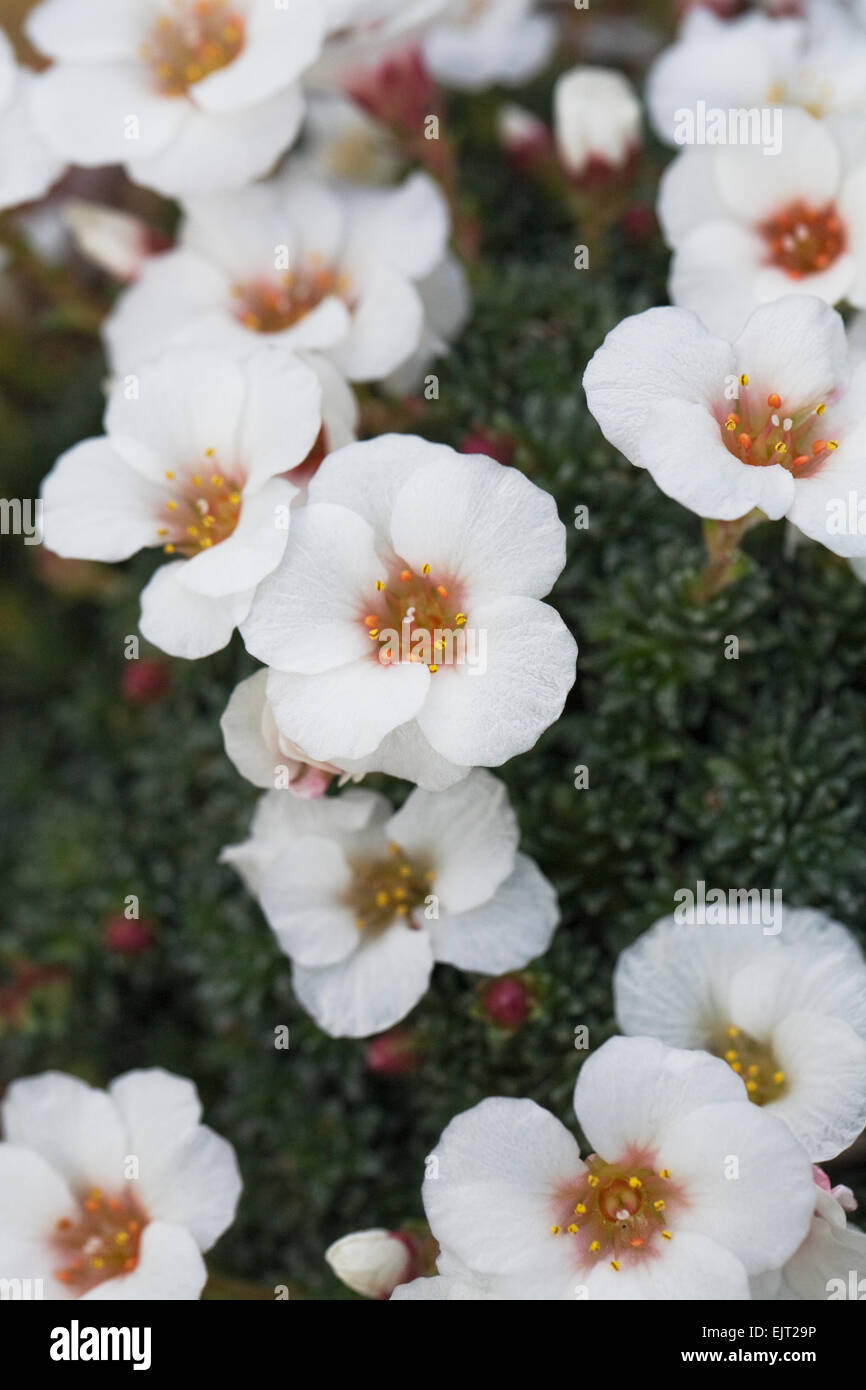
[596,120]
[374,1262]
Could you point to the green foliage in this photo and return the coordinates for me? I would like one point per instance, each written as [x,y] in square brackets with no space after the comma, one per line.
[746,772]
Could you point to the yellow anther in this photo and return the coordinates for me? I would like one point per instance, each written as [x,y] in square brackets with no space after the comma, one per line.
[733,1032]
[592,1180]
[205,542]
[666,1235]
[635,1182]
[554,1230]
[573,1230]
[209,453]
[192,530]
[460,620]
[216,480]
[819,409]
[751,1086]
[744,379]
[425,569]
[778,1077]
[380,584]
[432,670]
[658,1206]
[382,898]
[234,498]
[163,531]
[172,506]
[754,1069]
[168,473]
[580,1209]
[615,1266]
[832,444]
[196,480]
[737,1067]
[594,1246]
[374,633]
[168,549]
[664,1172]
[730,1055]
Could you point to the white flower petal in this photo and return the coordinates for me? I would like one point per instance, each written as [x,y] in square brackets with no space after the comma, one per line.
[346,713]
[98,508]
[71,1125]
[371,989]
[252,551]
[185,624]
[506,933]
[170,1268]
[101,113]
[303,895]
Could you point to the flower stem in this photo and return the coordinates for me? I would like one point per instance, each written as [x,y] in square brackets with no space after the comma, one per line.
[726,562]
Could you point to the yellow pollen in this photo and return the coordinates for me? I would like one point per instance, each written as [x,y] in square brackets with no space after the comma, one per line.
[425,569]
[234,498]
[778,1077]
[96,1263]
[594,1246]
[615,1265]
[664,1172]
[580,1209]
[666,1235]
[592,1180]
[382,899]
[754,1069]
[733,1032]
[192,530]
[209,453]
[432,670]
[554,1230]
[216,480]
[380,585]
[374,633]
[730,1055]
[832,444]
[172,506]
[168,549]
[163,531]
[744,379]
[751,1086]
[635,1182]
[819,409]
[168,473]
[572,1230]
[737,1067]
[196,480]
[658,1206]
[781,447]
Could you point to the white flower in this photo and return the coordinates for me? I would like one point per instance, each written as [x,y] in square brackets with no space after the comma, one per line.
[754,62]
[111,1195]
[364,32]
[747,228]
[190,461]
[831,1262]
[477,43]
[342,142]
[454,1283]
[688,1191]
[115,241]
[193,96]
[296,262]
[372,1263]
[404,628]
[786,1011]
[28,166]
[596,119]
[259,751]
[774,420]
[447,306]
[365,901]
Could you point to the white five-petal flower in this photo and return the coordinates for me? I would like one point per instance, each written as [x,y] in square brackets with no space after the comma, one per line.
[404,628]
[773,420]
[746,227]
[656,1211]
[193,96]
[365,901]
[312,267]
[191,459]
[787,1012]
[111,1195]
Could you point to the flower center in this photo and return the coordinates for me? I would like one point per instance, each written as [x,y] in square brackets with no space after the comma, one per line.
[203,510]
[764,430]
[415,617]
[100,1243]
[754,1062]
[618,1212]
[199,37]
[386,888]
[802,240]
[272,306]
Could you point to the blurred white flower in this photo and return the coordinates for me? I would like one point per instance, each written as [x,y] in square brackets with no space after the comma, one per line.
[365,901]
[477,43]
[115,241]
[817,62]
[28,164]
[111,1195]
[831,1262]
[193,97]
[747,228]
[309,266]
[596,120]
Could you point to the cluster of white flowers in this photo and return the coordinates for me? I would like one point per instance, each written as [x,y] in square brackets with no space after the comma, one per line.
[739,400]
[393,591]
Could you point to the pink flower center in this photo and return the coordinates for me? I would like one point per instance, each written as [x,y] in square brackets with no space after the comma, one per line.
[198,38]
[204,508]
[385,888]
[416,617]
[272,306]
[618,1212]
[754,1062]
[765,430]
[802,240]
[101,1242]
